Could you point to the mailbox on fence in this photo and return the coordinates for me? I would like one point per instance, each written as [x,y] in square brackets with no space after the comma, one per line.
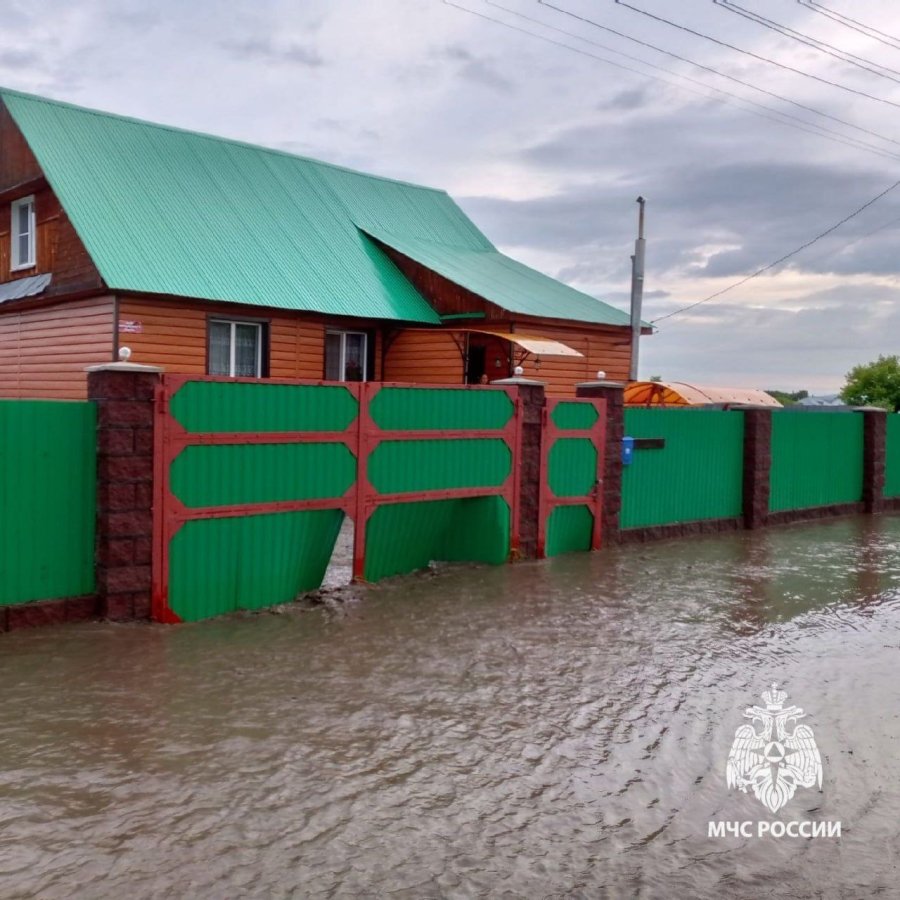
[627,450]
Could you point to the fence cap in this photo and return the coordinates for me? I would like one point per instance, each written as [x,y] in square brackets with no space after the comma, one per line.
[124,367]
[740,407]
[518,379]
[605,384]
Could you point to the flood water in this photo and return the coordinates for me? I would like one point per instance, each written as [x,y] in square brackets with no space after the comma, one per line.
[554,729]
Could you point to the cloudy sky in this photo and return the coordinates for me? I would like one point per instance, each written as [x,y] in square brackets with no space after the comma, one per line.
[547,148]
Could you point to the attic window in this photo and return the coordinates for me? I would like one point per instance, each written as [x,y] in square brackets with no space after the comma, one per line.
[22,234]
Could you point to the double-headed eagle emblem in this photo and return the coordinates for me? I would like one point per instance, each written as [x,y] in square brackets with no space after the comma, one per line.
[774,761]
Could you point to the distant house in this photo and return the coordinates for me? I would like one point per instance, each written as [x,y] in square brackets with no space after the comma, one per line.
[206,255]
[822,400]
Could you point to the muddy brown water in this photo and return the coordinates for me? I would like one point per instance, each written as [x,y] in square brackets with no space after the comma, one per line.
[553,729]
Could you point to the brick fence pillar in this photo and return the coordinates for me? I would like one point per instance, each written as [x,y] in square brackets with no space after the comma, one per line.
[533,400]
[123,393]
[757,465]
[874,455]
[613,392]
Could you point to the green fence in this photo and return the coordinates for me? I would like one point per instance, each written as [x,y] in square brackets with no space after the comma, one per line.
[270,553]
[892,457]
[817,459]
[572,469]
[405,536]
[697,474]
[48,459]
[260,477]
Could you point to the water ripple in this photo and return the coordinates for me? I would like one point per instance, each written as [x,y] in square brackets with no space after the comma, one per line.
[551,729]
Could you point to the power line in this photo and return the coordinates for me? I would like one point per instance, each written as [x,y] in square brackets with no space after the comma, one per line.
[781,259]
[749,53]
[856,240]
[788,120]
[691,62]
[853,24]
[809,41]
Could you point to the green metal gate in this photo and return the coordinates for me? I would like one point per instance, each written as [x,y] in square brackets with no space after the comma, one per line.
[253,481]
[574,434]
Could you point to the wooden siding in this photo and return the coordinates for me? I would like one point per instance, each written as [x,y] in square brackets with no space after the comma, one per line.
[434,357]
[606,349]
[58,249]
[44,350]
[428,357]
[17,163]
[446,297]
[173,335]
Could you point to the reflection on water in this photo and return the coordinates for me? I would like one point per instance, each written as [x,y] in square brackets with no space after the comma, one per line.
[539,730]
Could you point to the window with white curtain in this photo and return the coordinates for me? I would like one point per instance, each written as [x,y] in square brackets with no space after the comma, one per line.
[236,348]
[346,355]
[23,234]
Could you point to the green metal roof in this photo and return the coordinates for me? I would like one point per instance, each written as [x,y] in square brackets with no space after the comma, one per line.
[167,211]
[508,284]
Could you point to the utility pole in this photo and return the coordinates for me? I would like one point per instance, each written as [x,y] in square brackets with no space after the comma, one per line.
[637,291]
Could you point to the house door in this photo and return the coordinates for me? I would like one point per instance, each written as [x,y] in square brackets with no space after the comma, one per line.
[488,356]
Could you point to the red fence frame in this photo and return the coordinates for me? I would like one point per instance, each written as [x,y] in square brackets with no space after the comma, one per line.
[362,436]
[594,500]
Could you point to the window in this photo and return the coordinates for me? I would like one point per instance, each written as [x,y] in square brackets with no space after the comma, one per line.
[236,348]
[346,355]
[22,234]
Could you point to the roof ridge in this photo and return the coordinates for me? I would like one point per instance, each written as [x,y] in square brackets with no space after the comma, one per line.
[4,92]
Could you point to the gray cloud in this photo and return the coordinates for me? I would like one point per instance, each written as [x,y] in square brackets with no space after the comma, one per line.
[16,59]
[810,348]
[632,99]
[759,210]
[547,151]
[475,69]
[267,50]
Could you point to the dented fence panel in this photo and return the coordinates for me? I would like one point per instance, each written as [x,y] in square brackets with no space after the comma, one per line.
[253,480]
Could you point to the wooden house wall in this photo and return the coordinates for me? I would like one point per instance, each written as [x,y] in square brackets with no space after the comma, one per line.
[17,163]
[434,357]
[173,334]
[606,349]
[44,350]
[428,357]
[58,248]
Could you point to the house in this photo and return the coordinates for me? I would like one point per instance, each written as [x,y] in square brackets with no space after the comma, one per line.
[822,400]
[212,256]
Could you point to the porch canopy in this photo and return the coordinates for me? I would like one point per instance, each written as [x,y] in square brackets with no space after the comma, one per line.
[677,393]
[532,345]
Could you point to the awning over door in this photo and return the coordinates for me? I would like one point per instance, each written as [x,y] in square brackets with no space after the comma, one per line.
[537,346]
